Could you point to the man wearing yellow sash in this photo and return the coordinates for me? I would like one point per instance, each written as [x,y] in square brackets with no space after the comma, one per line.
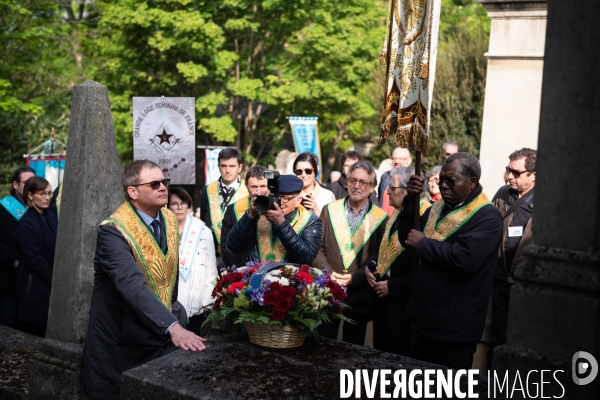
[391,281]
[135,316]
[352,230]
[256,184]
[216,196]
[457,246]
[288,231]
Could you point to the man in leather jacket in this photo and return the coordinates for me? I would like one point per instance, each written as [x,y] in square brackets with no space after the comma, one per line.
[287,231]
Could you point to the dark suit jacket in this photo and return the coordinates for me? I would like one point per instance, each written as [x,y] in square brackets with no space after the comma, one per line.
[127,321]
[391,329]
[238,258]
[452,286]
[36,241]
[8,250]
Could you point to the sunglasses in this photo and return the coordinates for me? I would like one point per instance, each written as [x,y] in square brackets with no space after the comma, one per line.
[154,185]
[514,172]
[308,171]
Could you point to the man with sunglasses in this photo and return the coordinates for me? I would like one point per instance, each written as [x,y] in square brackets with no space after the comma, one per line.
[287,231]
[353,228]
[515,202]
[12,208]
[457,246]
[135,316]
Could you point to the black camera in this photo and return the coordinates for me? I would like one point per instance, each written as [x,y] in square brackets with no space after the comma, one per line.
[265,203]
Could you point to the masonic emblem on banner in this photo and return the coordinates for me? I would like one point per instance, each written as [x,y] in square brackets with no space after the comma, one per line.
[165,139]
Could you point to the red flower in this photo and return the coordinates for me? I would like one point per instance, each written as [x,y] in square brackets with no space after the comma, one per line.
[336,291]
[226,280]
[304,277]
[280,297]
[235,285]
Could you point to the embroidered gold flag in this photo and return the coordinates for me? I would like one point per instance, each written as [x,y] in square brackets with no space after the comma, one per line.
[351,243]
[216,214]
[159,269]
[271,249]
[454,220]
[409,51]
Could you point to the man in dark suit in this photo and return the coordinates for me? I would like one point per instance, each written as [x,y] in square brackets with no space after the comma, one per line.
[134,316]
[457,244]
[12,208]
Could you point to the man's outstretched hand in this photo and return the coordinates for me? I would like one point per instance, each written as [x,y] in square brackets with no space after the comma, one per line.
[186,340]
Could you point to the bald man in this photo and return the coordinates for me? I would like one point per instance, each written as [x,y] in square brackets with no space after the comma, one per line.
[400,158]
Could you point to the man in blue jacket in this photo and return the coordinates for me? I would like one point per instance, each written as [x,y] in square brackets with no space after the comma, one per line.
[457,244]
[287,232]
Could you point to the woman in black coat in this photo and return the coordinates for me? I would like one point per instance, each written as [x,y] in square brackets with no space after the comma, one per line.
[36,241]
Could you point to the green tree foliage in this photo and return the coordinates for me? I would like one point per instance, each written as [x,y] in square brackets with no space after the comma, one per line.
[249,63]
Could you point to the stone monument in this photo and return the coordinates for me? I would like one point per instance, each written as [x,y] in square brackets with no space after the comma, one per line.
[555,305]
[513,84]
[92,191]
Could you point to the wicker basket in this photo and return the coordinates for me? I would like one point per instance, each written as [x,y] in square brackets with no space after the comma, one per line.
[277,336]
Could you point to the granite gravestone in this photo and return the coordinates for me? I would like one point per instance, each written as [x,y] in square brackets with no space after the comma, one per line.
[91,192]
[554,306]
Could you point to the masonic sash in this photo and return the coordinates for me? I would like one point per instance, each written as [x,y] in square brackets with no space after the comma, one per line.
[351,243]
[216,214]
[189,242]
[14,207]
[273,250]
[159,269]
[390,247]
[441,230]
[240,207]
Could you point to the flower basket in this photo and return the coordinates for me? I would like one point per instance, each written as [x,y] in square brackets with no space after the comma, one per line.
[279,303]
[276,336]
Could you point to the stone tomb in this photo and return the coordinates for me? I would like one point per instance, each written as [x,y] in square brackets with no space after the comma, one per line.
[239,369]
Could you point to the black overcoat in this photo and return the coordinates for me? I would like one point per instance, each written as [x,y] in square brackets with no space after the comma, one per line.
[36,241]
[128,323]
[452,286]
[8,250]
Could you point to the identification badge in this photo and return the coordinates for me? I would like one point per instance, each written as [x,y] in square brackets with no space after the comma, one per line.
[515,231]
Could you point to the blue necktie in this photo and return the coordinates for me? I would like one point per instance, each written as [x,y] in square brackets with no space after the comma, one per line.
[155,232]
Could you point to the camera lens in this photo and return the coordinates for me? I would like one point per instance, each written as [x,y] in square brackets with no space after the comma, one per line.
[263,203]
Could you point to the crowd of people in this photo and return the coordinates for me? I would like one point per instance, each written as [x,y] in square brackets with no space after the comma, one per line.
[425,286]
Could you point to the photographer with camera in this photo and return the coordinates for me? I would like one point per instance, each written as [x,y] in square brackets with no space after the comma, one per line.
[277,227]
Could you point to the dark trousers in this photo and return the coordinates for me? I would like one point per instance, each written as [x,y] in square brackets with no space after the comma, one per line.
[499,328]
[195,325]
[352,333]
[8,309]
[451,355]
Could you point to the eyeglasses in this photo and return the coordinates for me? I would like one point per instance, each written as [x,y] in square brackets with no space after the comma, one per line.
[392,188]
[515,173]
[287,199]
[308,171]
[179,205]
[449,181]
[361,183]
[44,194]
[154,185]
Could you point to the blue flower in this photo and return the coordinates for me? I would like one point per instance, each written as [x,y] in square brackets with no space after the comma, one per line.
[258,296]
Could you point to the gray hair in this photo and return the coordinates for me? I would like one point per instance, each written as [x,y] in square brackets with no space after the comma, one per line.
[367,167]
[132,172]
[469,163]
[451,143]
[432,172]
[404,173]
